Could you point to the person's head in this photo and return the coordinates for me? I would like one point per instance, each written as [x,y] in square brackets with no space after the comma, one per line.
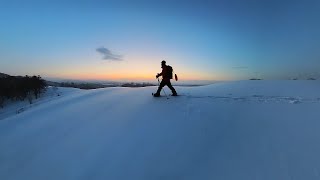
[163,63]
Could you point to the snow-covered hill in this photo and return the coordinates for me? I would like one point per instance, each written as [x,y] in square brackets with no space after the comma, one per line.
[264,130]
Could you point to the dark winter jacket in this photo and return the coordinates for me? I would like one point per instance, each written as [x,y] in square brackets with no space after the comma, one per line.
[166,72]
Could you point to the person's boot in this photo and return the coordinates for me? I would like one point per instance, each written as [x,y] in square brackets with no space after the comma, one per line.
[157,94]
[174,94]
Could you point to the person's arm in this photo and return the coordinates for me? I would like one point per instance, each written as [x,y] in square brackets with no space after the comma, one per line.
[159,74]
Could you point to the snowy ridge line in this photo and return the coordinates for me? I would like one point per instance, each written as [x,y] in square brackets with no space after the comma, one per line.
[259,99]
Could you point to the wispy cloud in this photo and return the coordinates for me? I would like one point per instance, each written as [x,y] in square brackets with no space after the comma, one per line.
[108,55]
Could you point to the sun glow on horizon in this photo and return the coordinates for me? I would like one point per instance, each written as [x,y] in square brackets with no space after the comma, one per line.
[135,77]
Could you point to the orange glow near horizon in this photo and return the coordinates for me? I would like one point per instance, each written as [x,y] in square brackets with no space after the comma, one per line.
[135,69]
[183,76]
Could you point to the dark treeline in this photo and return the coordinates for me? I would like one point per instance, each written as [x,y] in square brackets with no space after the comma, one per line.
[83,85]
[19,88]
[96,85]
[132,84]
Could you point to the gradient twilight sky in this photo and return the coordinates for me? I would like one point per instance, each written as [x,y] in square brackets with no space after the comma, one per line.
[127,39]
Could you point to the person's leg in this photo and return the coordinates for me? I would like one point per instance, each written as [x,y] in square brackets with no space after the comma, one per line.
[162,84]
[174,93]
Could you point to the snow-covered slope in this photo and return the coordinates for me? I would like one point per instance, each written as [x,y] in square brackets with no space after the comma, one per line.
[15,107]
[235,130]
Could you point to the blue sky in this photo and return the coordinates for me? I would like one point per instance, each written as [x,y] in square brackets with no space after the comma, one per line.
[202,40]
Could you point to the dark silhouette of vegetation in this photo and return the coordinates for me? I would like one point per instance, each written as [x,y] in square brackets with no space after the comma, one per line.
[2,75]
[137,84]
[80,85]
[96,85]
[18,88]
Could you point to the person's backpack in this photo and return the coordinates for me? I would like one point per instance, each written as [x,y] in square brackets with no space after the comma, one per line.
[169,72]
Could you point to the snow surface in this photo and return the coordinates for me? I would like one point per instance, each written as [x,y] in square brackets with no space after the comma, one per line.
[262,130]
[15,107]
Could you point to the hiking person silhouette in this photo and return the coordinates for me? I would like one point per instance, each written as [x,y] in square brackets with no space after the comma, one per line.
[166,76]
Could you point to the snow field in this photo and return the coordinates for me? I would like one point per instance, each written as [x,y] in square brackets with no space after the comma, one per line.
[230,130]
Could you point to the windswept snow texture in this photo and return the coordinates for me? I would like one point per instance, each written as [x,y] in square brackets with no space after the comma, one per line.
[261,130]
